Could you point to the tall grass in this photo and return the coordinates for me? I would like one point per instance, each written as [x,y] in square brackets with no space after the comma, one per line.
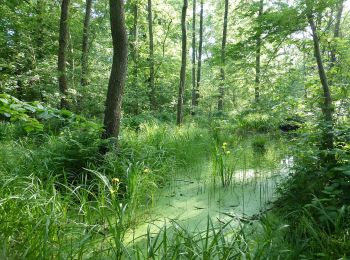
[224,164]
[175,241]
[39,221]
[60,199]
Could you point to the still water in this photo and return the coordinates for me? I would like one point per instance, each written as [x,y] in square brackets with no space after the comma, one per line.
[254,167]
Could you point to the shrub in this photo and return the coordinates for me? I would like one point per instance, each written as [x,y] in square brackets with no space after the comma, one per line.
[255,122]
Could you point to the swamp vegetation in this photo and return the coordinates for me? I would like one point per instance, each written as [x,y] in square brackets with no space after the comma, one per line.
[174,129]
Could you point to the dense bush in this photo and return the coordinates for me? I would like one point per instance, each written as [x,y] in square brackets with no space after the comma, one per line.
[316,197]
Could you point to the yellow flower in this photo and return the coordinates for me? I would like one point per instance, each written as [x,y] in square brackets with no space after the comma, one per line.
[224,146]
[115,181]
[146,170]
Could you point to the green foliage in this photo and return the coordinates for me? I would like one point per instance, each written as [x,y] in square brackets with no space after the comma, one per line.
[54,179]
[259,144]
[255,122]
[176,242]
[317,201]
[34,117]
[61,198]
[151,154]
[49,223]
[14,110]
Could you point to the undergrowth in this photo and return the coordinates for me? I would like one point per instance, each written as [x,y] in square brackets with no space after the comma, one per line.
[60,198]
[314,201]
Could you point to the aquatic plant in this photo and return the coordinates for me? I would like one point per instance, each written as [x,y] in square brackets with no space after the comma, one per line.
[223,164]
[259,144]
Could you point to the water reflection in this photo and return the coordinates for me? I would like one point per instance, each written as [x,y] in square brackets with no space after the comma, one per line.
[193,195]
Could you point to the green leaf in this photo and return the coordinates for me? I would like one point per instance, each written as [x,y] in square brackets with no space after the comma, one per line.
[4,101]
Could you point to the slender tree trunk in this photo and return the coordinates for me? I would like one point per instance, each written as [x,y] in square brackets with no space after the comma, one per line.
[39,30]
[134,50]
[327,100]
[180,100]
[258,55]
[63,40]
[153,101]
[194,57]
[163,48]
[200,50]
[304,70]
[71,57]
[134,44]
[85,45]
[223,61]
[336,32]
[118,73]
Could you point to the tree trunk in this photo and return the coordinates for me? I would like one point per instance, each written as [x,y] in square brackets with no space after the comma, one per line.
[223,60]
[258,55]
[134,50]
[194,58]
[304,69]
[85,45]
[71,57]
[200,50]
[180,100]
[118,72]
[134,44]
[39,30]
[153,101]
[336,32]
[63,39]
[327,100]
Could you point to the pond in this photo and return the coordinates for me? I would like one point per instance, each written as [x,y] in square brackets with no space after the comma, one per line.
[237,180]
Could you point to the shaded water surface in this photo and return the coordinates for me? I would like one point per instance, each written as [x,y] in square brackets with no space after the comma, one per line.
[254,168]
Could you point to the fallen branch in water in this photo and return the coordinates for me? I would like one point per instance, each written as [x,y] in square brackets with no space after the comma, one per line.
[184,180]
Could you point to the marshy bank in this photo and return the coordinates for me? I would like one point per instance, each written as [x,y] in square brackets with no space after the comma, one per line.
[61,200]
[186,192]
[170,192]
